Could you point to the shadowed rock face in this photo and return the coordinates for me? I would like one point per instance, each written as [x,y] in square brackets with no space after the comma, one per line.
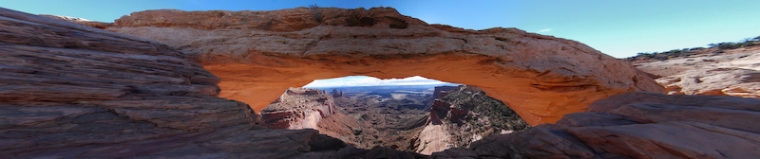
[259,53]
[70,91]
[637,125]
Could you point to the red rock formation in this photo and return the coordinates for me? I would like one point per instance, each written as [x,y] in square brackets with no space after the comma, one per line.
[637,125]
[259,53]
[462,116]
[71,91]
[298,108]
[441,91]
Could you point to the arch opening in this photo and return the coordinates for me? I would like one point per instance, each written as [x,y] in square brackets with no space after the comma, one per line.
[538,97]
[412,114]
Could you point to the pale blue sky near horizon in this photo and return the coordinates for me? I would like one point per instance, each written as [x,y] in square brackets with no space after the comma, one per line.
[620,28]
[372,81]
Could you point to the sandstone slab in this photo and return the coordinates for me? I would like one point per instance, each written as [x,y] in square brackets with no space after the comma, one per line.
[637,125]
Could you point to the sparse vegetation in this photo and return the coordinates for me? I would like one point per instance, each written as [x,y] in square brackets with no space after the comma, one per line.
[718,47]
[316,12]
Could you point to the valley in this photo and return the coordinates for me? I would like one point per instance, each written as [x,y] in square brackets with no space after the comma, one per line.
[417,118]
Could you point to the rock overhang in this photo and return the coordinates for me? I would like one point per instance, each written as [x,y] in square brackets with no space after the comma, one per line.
[540,77]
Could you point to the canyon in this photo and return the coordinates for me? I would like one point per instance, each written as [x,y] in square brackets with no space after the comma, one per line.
[369,117]
[179,84]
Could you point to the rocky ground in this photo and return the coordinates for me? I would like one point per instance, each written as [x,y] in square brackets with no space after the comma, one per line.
[298,108]
[711,71]
[464,115]
[636,125]
[261,53]
[459,116]
[73,91]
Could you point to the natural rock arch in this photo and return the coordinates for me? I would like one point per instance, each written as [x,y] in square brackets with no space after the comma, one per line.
[259,54]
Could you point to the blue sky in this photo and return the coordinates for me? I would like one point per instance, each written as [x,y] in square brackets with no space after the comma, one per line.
[620,28]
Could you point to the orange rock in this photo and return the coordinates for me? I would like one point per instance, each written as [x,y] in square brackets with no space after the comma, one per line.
[259,54]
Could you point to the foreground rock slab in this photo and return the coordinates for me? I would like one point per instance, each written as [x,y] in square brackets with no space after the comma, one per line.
[257,54]
[636,125]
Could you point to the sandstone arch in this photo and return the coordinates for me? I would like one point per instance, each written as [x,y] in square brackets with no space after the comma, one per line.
[259,54]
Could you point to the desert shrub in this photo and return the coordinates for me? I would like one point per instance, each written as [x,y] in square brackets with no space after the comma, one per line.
[316,12]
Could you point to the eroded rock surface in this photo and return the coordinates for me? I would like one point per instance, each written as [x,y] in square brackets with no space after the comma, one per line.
[71,91]
[298,108]
[734,72]
[260,53]
[463,115]
[636,125]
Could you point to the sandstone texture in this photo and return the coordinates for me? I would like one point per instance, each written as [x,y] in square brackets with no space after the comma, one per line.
[367,118]
[636,125]
[94,24]
[71,91]
[257,54]
[463,115]
[298,108]
[734,72]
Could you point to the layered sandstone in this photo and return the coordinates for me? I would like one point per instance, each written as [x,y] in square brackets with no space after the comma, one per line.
[71,91]
[260,53]
[298,108]
[636,125]
[734,72]
[463,115]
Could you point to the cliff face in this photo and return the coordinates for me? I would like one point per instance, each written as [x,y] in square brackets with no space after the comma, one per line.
[463,115]
[260,53]
[298,108]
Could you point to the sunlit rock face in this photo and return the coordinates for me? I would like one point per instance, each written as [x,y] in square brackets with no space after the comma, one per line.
[298,108]
[733,72]
[71,91]
[257,54]
[462,115]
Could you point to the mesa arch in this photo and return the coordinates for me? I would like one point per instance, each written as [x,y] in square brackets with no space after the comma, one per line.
[258,54]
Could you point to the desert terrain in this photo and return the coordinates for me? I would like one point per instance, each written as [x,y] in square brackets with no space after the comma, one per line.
[198,84]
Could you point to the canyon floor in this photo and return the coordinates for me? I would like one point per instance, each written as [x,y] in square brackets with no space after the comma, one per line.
[421,119]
